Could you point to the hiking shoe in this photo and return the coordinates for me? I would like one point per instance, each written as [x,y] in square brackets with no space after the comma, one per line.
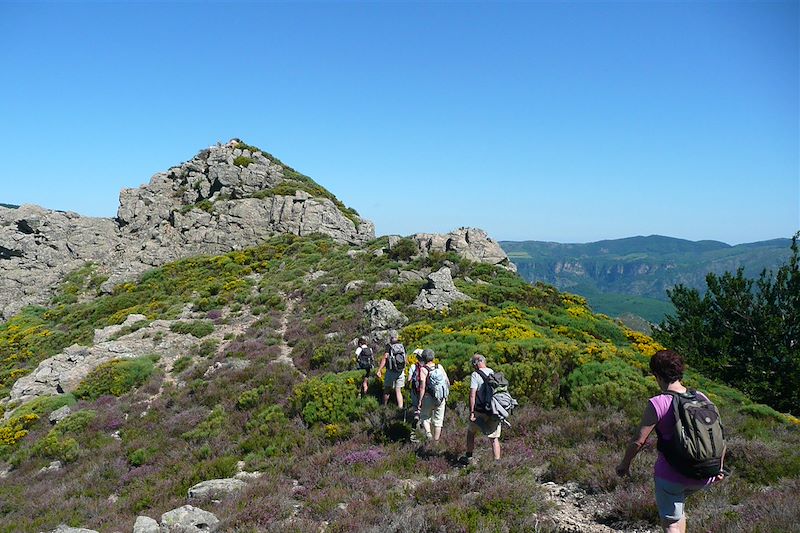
[467,461]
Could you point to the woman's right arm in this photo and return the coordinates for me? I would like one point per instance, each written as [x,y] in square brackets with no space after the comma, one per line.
[646,426]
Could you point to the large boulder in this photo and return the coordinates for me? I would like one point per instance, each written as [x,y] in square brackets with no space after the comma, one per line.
[188,519]
[382,315]
[215,489]
[470,243]
[439,292]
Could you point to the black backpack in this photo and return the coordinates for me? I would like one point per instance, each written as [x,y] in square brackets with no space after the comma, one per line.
[365,358]
[397,356]
[493,397]
[698,443]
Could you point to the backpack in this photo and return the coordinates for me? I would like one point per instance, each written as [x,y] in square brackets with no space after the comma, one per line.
[397,356]
[413,376]
[493,397]
[437,385]
[698,443]
[365,358]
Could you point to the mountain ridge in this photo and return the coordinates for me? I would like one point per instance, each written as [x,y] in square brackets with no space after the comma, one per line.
[609,271]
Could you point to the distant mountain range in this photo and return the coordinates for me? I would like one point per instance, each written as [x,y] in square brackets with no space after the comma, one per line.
[9,206]
[632,275]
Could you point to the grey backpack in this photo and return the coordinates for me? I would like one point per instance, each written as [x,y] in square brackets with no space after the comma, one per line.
[397,356]
[493,397]
[437,385]
[698,443]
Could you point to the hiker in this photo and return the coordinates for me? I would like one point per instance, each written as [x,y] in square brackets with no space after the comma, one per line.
[394,359]
[365,361]
[672,486]
[488,424]
[433,387]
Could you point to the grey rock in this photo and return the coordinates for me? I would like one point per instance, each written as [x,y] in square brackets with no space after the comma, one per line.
[470,243]
[59,414]
[52,467]
[248,476]
[215,489]
[228,364]
[410,275]
[383,315]
[383,285]
[104,334]
[354,285]
[188,519]
[439,292]
[393,240]
[145,524]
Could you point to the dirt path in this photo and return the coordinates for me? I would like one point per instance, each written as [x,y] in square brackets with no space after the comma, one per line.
[285,355]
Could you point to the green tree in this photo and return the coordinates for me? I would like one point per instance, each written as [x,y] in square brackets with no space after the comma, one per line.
[743,331]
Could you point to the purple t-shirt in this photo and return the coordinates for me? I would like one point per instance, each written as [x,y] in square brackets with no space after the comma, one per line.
[666,427]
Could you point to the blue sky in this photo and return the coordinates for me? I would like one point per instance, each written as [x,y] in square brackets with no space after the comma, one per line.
[570,122]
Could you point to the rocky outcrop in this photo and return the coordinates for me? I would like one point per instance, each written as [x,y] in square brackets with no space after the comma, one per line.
[188,519]
[63,528]
[63,372]
[439,292]
[223,199]
[59,414]
[470,243]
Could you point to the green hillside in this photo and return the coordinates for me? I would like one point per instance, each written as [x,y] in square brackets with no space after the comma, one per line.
[266,380]
[632,275]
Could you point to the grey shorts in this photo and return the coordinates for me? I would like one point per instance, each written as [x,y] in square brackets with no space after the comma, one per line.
[671,497]
[394,379]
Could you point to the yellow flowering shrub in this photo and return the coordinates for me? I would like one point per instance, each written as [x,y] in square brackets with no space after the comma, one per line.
[642,342]
[15,428]
[413,333]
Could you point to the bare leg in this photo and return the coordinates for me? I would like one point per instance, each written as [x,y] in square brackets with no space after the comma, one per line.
[385,398]
[426,426]
[470,441]
[437,432]
[674,527]
[399,394]
[496,448]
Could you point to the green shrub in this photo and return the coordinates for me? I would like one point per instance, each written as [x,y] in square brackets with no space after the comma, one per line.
[242,161]
[332,398]
[610,383]
[115,377]
[197,328]
[269,433]
[45,405]
[249,399]
[404,249]
[209,428]
[76,422]
[181,364]
[53,446]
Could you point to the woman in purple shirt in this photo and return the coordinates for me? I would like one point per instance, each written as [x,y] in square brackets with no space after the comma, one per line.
[671,486]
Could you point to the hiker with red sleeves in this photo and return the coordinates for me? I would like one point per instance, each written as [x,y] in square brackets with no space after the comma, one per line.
[691,446]
[432,388]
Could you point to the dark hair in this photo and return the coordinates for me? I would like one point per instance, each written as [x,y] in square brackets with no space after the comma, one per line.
[362,340]
[427,355]
[668,365]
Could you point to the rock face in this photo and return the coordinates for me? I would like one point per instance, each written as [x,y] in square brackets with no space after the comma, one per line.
[471,243]
[59,414]
[382,315]
[439,293]
[188,519]
[223,199]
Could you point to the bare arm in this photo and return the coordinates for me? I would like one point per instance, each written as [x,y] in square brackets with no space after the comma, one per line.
[383,363]
[472,394]
[423,381]
[646,426]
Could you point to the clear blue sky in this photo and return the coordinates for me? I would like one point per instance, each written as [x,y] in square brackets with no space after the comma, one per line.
[569,122]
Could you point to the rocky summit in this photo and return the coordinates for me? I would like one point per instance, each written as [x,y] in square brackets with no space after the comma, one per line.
[228,197]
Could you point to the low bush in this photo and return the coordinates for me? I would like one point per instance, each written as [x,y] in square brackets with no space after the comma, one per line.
[332,398]
[196,328]
[115,377]
[611,383]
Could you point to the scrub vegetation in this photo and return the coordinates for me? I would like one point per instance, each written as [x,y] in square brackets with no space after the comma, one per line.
[138,439]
